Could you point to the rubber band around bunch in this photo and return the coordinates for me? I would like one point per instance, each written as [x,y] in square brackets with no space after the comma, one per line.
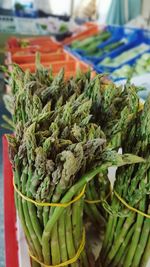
[70,261]
[130,207]
[97,200]
[48,204]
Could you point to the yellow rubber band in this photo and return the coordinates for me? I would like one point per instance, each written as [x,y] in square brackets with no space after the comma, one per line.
[93,201]
[71,261]
[131,208]
[98,200]
[47,204]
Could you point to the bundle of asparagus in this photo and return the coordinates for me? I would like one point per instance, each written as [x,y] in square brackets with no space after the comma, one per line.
[127,239]
[111,108]
[56,150]
[59,92]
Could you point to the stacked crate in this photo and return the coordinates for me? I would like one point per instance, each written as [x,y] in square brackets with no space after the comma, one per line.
[23,52]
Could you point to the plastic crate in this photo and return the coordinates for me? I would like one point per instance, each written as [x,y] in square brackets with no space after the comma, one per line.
[47,48]
[56,66]
[15,42]
[130,63]
[117,33]
[41,44]
[141,38]
[30,58]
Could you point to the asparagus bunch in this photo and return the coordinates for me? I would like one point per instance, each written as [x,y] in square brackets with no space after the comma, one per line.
[49,154]
[56,150]
[111,107]
[127,239]
[54,92]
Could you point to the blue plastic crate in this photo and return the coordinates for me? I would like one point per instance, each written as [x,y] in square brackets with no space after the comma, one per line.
[131,40]
[81,52]
[130,63]
[142,38]
[134,37]
[118,33]
[138,38]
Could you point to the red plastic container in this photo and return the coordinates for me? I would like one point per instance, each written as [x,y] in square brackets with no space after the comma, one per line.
[71,73]
[11,244]
[26,45]
[14,42]
[39,40]
[47,48]
[49,57]
[69,65]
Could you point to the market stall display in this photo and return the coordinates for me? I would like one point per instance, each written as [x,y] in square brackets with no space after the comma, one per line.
[105,41]
[108,49]
[23,52]
[115,50]
[69,125]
